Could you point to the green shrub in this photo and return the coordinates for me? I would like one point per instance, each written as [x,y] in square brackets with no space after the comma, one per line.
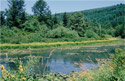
[91,34]
[32,24]
[62,32]
[118,62]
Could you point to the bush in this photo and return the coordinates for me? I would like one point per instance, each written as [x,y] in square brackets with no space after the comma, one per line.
[62,32]
[32,25]
[119,31]
[91,34]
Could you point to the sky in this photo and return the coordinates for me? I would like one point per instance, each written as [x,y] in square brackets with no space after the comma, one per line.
[59,6]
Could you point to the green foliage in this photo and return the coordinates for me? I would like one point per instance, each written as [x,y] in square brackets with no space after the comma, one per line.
[77,23]
[108,17]
[62,32]
[32,24]
[2,18]
[16,13]
[23,73]
[20,27]
[120,31]
[41,9]
[91,34]
[55,20]
[118,62]
[65,20]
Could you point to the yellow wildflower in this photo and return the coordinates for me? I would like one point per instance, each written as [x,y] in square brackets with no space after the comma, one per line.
[20,66]
[85,73]
[90,78]
[111,68]
[74,78]
[122,61]
[2,67]
[8,74]
[21,70]
[12,76]
[68,79]
[23,78]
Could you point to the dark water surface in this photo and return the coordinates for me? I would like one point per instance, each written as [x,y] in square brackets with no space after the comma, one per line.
[62,60]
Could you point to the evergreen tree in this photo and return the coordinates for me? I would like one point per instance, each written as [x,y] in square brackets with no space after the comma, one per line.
[41,9]
[120,31]
[65,20]
[16,13]
[55,20]
[2,18]
[77,23]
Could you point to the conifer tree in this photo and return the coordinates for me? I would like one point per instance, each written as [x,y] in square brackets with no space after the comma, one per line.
[16,13]
[2,18]
[65,20]
[41,9]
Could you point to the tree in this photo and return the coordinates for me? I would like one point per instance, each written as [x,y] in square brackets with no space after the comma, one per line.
[41,9]
[62,32]
[32,24]
[77,23]
[55,20]
[2,18]
[65,19]
[120,31]
[16,13]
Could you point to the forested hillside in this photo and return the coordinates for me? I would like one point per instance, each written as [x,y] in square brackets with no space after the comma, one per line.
[17,26]
[111,17]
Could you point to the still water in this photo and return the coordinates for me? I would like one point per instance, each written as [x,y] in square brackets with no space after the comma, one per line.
[61,60]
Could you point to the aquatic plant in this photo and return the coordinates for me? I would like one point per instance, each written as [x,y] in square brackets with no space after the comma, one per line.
[109,70]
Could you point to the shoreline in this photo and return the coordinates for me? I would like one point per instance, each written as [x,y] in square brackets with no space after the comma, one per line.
[59,44]
[22,51]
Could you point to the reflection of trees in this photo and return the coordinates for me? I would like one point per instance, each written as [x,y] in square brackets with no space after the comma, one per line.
[74,56]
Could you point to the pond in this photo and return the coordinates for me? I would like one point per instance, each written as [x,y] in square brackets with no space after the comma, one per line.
[61,60]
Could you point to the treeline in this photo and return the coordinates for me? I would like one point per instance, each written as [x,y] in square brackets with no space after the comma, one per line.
[18,26]
[111,19]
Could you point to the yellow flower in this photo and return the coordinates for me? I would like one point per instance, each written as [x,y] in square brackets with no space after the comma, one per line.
[23,78]
[2,67]
[85,73]
[68,79]
[74,78]
[90,78]
[8,74]
[122,61]
[21,70]
[12,76]
[20,66]
[111,68]
[3,71]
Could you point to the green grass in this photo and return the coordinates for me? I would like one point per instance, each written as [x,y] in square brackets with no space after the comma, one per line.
[58,44]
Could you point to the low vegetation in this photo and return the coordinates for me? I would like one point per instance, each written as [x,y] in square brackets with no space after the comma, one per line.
[57,44]
[109,70]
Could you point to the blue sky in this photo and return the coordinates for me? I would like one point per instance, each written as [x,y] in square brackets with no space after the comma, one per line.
[58,6]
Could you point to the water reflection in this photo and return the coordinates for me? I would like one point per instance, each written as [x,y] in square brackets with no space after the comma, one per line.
[62,60]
